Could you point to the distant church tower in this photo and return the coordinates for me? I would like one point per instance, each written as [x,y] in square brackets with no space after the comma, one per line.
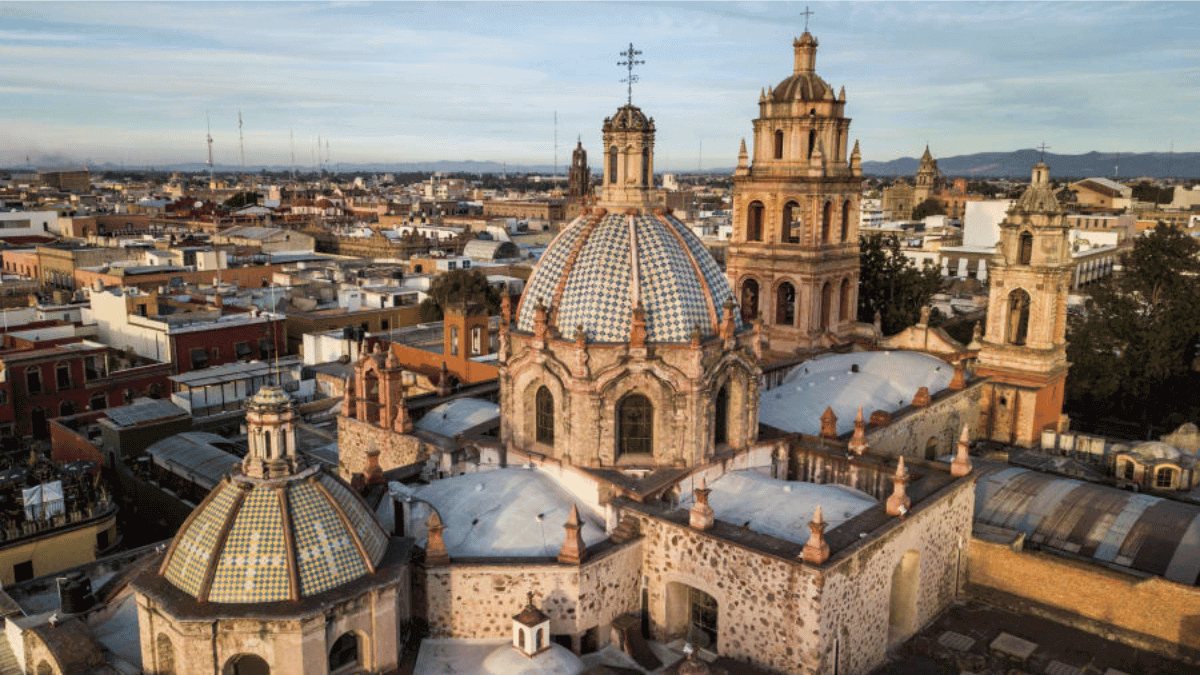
[1024,348]
[579,180]
[793,257]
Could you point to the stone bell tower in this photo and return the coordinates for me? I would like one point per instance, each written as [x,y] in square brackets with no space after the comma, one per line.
[628,158]
[793,258]
[271,434]
[1024,348]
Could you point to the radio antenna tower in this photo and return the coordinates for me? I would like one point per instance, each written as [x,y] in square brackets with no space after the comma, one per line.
[326,152]
[208,122]
[320,167]
[555,174]
[241,142]
[292,134]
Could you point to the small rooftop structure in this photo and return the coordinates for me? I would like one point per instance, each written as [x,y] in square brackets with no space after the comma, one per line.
[462,414]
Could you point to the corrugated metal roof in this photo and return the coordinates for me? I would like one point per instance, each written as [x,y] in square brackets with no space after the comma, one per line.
[194,455]
[1149,534]
[143,411]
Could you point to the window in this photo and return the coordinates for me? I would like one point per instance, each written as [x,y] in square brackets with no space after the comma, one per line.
[384,324]
[812,142]
[199,358]
[454,340]
[1163,478]
[216,353]
[1025,254]
[266,348]
[754,222]
[102,540]
[844,296]
[33,380]
[3,397]
[749,300]
[721,418]
[845,221]
[778,144]
[544,412]
[452,265]
[477,340]
[790,232]
[646,167]
[243,351]
[826,222]
[702,619]
[1018,317]
[785,304]
[612,164]
[66,409]
[23,571]
[98,401]
[344,652]
[1127,470]
[826,305]
[635,426]
[466,264]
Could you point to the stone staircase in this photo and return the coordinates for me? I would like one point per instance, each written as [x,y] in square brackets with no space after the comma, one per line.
[626,530]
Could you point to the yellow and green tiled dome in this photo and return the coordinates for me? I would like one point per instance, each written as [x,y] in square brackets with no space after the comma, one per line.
[269,541]
[603,264]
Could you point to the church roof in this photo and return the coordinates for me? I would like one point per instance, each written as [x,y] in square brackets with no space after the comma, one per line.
[1039,196]
[804,84]
[255,541]
[628,118]
[601,266]
[884,381]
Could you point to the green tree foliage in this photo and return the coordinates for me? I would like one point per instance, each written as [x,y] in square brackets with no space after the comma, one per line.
[1134,347]
[929,207]
[1146,192]
[982,188]
[459,286]
[241,199]
[891,283]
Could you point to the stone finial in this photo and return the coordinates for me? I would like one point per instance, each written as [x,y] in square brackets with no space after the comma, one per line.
[697,337]
[540,327]
[373,473]
[435,549]
[743,165]
[728,325]
[959,381]
[403,424]
[879,418]
[347,397]
[976,335]
[637,330]
[961,465]
[580,337]
[925,311]
[505,308]
[828,424]
[899,503]
[858,442]
[392,363]
[922,399]
[816,550]
[879,321]
[573,549]
[701,516]
[856,161]
[378,348]
[443,385]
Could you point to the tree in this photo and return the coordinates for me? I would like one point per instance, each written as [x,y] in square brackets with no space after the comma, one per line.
[458,286]
[1134,346]
[890,283]
[929,207]
[241,199]
[1147,192]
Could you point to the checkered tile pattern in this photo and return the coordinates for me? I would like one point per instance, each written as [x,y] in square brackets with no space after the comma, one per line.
[713,276]
[675,301]
[252,566]
[325,553]
[597,292]
[372,536]
[549,270]
[189,561]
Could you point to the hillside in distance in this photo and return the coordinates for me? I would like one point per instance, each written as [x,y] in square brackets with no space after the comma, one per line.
[1016,164]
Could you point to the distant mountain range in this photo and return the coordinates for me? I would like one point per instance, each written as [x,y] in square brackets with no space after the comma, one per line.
[1014,164]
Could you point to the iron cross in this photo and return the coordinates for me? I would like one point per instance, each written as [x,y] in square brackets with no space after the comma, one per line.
[629,62]
[806,13]
[1043,147]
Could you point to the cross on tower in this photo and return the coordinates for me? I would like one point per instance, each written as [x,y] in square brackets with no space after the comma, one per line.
[1043,147]
[629,63]
[806,13]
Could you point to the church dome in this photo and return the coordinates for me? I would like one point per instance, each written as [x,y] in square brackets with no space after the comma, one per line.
[254,541]
[270,395]
[629,118]
[602,266]
[1151,451]
[804,84]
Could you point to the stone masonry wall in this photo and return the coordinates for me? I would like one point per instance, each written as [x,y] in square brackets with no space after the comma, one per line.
[855,605]
[478,600]
[912,428]
[356,438]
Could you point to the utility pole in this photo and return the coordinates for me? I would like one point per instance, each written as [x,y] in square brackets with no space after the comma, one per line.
[241,142]
[555,174]
[293,137]
[208,121]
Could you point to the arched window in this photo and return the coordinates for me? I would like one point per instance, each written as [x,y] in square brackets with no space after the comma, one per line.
[521,639]
[1162,478]
[1018,317]
[749,300]
[1025,254]
[98,401]
[845,312]
[344,652]
[785,304]
[790,232]
[165,654]
[812,142]
[826,222]
[646,167]
[246,664]
[1128,469]
[454,340]
[266,443]
[721,417]
[539,638]
[754,222]
[826,305]
[612,164]
[544,405]
[778,144]
[44,668]
[845,221]
[635,426]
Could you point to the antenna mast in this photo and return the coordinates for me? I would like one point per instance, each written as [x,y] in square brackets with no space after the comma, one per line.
[555,174]
[241,142]
[208,122]
[292,134]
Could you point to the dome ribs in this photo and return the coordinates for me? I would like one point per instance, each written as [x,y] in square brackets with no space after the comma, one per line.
[345,520]
[210,571]
[289,543]
[569,265]
[704,285]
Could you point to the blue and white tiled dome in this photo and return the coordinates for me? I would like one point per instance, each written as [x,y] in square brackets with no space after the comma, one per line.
[600,266]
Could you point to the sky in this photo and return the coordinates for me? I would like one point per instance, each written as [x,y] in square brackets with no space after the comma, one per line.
[407,81]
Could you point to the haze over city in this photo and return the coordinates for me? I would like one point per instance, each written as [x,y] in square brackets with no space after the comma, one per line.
[404,82]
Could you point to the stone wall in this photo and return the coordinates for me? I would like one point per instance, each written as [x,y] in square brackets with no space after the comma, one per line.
[858,585]
[911,429]
[356,438]
[1148,613]
[478,599]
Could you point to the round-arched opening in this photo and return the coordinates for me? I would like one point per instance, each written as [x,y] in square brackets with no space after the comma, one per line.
[785,304]
[646,167]
[790,232]
[845,221]
[544,413]
[812,140]
[635,426]
[344,652]
[612,165]
[778,144]
[826,305]
[846,311]
[749,300]
[246,664]
[44,668]
[721,417]
[1025,252]
[1018,317]
[754,221]
[826,223]
[165,653]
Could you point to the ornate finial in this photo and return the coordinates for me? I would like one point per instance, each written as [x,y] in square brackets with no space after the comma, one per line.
[899,503]
[858,442]
[806,13]
[573,548]
[539,321]
[529,599]
[828,424]
[701,517]
[505,308]
[727,320]
[435,548]
[630,61]
[580,336]
[637,330]
[816,550]
[961,465]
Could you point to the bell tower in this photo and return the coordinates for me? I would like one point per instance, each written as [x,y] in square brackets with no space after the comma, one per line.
[1024,348]
[793,257]
[271,434]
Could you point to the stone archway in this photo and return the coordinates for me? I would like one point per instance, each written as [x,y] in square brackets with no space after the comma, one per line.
[902,612]
[692,615]
[246,664]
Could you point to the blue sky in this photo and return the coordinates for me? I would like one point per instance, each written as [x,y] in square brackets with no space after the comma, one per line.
[405,81]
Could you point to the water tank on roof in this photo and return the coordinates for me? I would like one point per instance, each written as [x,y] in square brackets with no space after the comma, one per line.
[75,593]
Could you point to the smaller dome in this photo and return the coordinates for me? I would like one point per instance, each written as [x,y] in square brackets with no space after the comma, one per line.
[629,118]
[803,87]
[1150,451]
[270,395]
[557,660]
